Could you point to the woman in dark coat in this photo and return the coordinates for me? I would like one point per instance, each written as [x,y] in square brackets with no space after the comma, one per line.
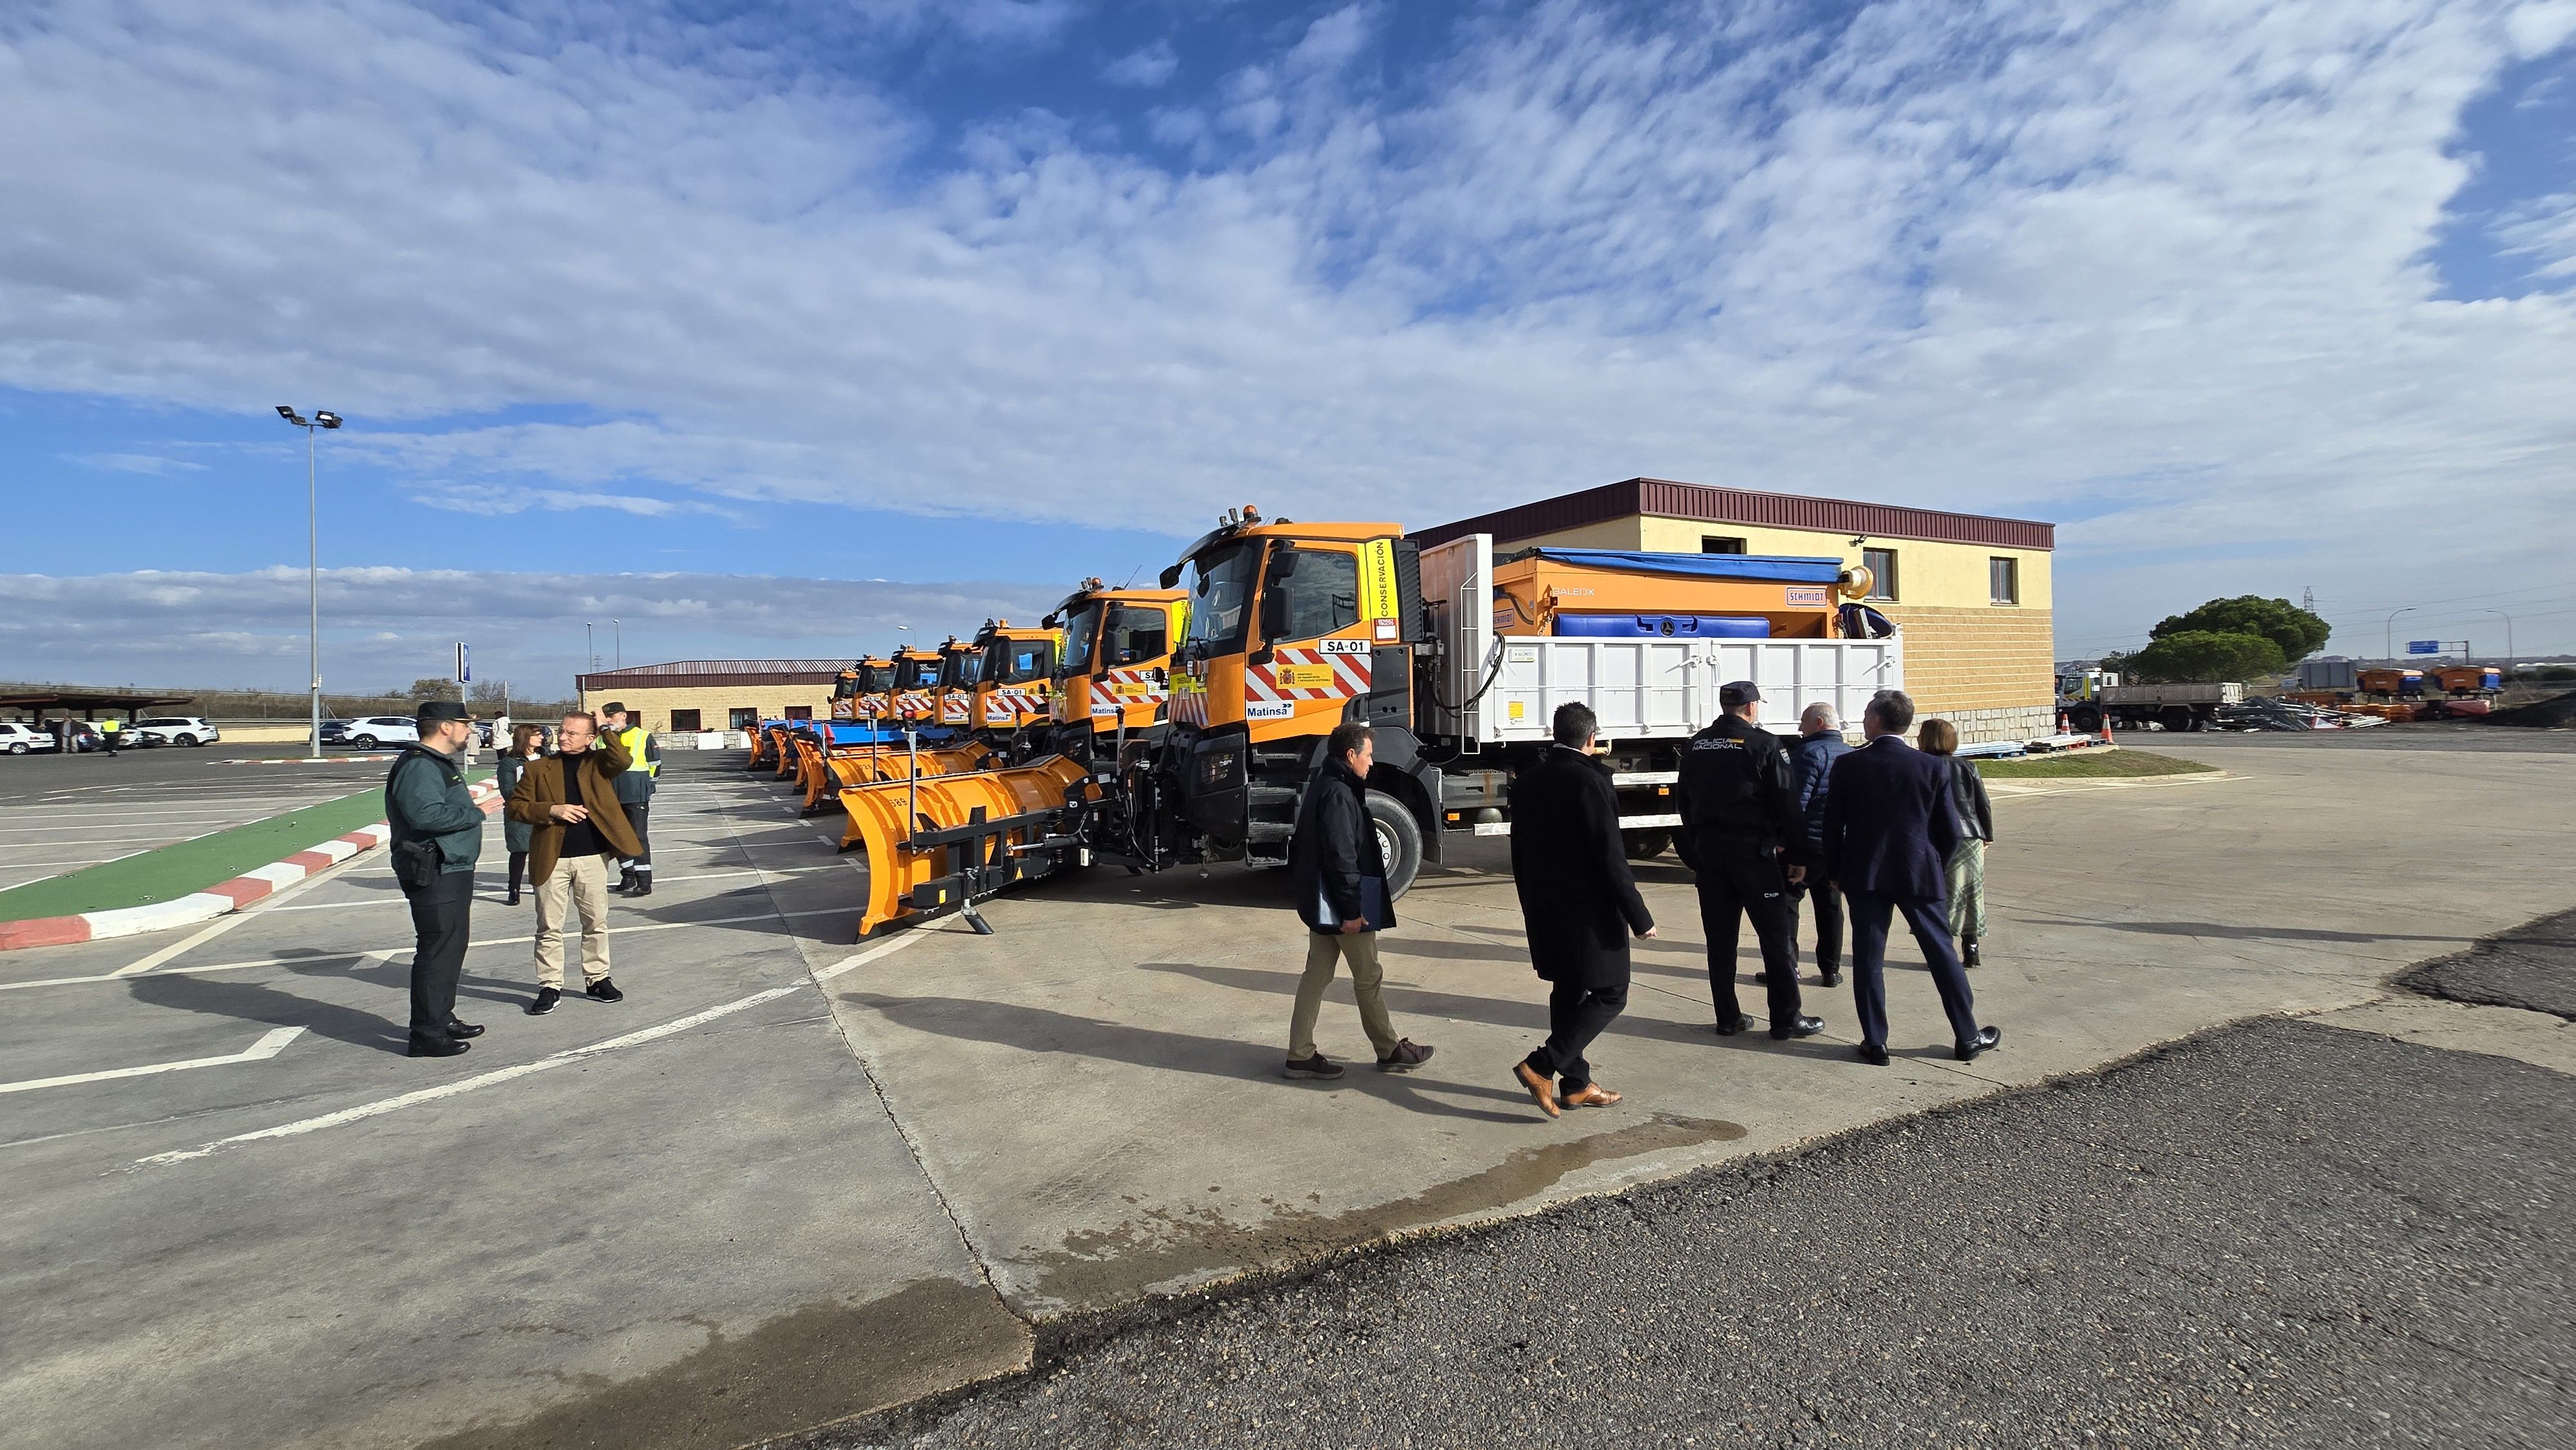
[527,742]
[1579,904]
[1976,827]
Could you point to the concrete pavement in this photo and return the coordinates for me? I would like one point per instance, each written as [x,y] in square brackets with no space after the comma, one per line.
[793,1208]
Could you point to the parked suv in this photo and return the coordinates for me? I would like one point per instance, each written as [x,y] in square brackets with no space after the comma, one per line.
[173,730]
[371,731]
[19,739]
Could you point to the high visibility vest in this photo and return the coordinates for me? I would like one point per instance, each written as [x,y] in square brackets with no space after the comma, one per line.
[633,738]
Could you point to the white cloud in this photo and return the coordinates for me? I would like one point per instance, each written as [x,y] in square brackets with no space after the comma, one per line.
[2159,266]
[2545,231]
[1146,67]
[383,627]
[150,464]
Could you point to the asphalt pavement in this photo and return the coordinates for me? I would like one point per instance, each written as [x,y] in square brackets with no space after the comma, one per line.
[2273,1234]
[62,813]
[2532,967]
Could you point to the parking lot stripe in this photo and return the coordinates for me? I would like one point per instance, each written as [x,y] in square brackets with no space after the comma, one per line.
[466,1085]
[270,1044]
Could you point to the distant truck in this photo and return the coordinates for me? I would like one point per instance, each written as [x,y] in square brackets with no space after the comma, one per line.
[2090,697]
[2462,682]
[2398,685]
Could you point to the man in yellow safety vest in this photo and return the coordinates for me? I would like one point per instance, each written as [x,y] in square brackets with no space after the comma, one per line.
[635,794]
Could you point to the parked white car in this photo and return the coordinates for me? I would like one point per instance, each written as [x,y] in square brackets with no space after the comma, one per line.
[173,730]
[19,739]
[373,730]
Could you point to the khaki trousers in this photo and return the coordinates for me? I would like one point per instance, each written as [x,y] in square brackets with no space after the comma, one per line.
[584,880]
[1360,950]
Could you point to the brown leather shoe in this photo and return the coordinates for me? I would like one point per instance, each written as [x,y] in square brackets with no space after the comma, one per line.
[1541,1090]
[1593,1095]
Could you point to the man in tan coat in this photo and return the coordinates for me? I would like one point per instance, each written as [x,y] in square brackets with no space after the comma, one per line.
[570,802]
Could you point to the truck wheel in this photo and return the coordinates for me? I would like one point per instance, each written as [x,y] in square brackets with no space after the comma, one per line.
[2084,721]
[2175,717]
[1399,840]
[1645,845]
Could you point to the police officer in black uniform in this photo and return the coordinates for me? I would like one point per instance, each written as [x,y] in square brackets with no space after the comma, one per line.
[1741,835]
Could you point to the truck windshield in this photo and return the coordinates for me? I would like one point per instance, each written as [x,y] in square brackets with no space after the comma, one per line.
[919,674]
[1080,630]
[961,668]
[874,679]
[1221,596]
[1137,633]
[1015,661]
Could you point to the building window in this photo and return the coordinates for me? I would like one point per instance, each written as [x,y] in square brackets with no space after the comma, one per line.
[2003,581]
[800,712]
[1715,544]
[1881,564]
[684,722]
[742,717]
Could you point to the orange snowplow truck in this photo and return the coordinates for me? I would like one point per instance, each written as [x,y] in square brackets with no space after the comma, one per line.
[1014,686]
[914,686]
[1115,676]
[865,691]
[1291,630]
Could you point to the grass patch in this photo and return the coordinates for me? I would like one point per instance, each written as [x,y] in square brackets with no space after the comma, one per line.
[2088,764]
[175,870]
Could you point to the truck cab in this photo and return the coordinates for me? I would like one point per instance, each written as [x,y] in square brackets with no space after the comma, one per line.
[1291,630]
[864,692]
[1014,681]
[1114,675]
[960,666]
[915,685]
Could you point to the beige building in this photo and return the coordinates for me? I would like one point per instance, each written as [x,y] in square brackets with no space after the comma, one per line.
[1969,593]
[689,696]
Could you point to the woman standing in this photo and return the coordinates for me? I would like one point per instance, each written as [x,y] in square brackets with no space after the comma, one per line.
[527,742]
[1976,828]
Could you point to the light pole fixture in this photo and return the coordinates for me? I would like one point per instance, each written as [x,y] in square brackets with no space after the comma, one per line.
[322,418]
[2388,632]
[617,642]
[2508,636]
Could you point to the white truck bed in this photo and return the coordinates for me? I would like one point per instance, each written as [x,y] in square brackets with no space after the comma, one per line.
[1642,689]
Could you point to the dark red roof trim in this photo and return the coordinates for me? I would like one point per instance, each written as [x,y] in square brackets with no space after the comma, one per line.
[1699,502]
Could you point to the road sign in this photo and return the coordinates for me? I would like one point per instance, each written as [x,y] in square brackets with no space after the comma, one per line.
[465,663]
[2423,646]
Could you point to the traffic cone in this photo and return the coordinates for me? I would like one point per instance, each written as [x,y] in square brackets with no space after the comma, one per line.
[2061,722]
[2106,729]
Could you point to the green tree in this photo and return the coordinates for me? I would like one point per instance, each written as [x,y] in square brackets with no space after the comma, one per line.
[2295,631]
[2200,655]
[431,687]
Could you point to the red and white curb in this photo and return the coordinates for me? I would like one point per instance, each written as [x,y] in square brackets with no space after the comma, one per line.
[311,760]
[214,901]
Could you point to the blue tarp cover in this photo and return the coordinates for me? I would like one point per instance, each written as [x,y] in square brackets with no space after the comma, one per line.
[1786,569]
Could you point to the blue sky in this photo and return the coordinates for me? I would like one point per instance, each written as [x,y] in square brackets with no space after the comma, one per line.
[636,307]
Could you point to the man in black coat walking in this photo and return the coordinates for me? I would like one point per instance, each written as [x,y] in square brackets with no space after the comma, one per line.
[1889,829]
[1740,826]
[1579,905]
[1339,875]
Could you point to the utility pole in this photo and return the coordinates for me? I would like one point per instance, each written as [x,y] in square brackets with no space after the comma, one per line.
[617,633]
[2388,633]
[2508,636]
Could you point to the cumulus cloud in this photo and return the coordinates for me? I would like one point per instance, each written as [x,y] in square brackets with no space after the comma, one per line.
[2158,269]
[150,464]
[1146,67]
[383,627]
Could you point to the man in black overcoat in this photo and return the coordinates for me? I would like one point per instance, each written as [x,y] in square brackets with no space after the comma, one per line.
[1579,903]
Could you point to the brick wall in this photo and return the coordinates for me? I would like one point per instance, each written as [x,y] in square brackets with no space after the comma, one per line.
[1991,672]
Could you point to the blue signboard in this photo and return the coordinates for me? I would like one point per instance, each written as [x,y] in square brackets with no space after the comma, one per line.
[465,663]
[2423,646]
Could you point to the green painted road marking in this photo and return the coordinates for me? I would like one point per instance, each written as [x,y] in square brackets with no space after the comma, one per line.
[173,871]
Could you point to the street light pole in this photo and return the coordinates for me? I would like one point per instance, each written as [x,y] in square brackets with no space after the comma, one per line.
[2388,632]
[322,418]
[2508,636]
[617,641]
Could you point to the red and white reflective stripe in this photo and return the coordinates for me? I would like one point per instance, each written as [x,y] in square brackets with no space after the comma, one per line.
[1350,676]
[952,708]
[1135,686]
[1189,707]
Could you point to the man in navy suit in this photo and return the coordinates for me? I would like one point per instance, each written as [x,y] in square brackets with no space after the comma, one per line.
[1889,829]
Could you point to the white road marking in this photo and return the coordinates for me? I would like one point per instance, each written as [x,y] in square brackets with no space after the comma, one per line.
[657,881]
[466,1085]
[128,974]
[884,948]
[269,1045]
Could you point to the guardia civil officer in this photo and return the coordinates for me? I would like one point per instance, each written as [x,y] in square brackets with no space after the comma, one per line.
[437,837]
[1743,836]
[635,795]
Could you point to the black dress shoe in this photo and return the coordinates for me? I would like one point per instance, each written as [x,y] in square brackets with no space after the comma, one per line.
[1968,953]
[1984,1041]
[643,887]
[547,997]
[463,1029]
[1874,1056]
[1797,1027]
[1729,1026]
[605,990]
[1832,978]
[437,1047]
[511,900]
